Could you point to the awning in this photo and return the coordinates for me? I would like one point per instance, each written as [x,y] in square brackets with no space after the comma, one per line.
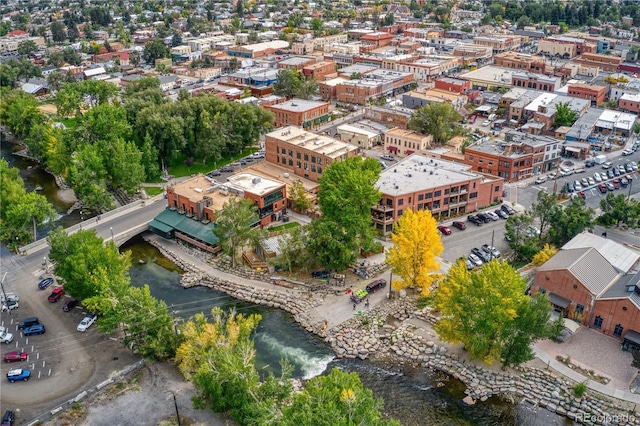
[558,300]
[172,220]
[633,337]
[161,226]
[572,149]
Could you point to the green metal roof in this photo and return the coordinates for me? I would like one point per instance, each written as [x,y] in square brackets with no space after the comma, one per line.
[194,228]
[161,226]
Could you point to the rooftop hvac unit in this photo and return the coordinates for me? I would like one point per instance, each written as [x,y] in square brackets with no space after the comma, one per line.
[198,190]
[256,180]
[286,175]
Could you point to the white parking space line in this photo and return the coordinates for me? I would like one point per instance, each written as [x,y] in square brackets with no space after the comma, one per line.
[39,373]
[37,355]
[49,373]
[43,362]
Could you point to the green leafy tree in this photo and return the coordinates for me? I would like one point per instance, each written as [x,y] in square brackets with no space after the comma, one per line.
[332,246]
[565,116]
[8,76]
[27,47]
[155,50]
[56,80]
[134,58]
[437,119]
[176,40]
[339,399]
[570,221]
[347,192]
[293,248]
[149,160]
[490,314]
[522,237]
[124,165]
[619,209]
[317,25]
[81,261]
[19,113]
[544,210]
[71,57]
[87,175]
[292,83]
[58,32]
[234,64]
[68,101]
[234,226]
[298,197]
[219,358]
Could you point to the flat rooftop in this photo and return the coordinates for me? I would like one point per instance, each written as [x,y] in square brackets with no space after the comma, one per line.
[297,105]
[491,74]
[320,144]
[282,174]
[254,184]
[420,173]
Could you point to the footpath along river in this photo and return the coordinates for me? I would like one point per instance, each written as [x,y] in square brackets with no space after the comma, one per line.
[413,396]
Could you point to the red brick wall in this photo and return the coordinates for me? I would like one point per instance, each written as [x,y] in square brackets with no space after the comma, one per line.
[613,312]
[564,284]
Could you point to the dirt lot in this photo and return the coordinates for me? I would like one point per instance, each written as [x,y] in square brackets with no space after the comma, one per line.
[142,398]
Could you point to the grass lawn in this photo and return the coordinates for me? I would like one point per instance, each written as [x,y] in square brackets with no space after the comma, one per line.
[284,226]
[153,190]
[180,169]
[70,123]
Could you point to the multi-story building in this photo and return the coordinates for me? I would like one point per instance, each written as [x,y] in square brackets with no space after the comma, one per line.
[541,112]
[320,71]
[299,112]
[363,138]
[564,47]
[403,142]
[321,42]
[499,43]
[398,117]
[606,63]
[472,53]
[373,85]
[257,50]
[591,92]
[443,187]
[452,84]
[518,157]
[375,40]
[521,62]
[296,63]
[629,103]
[416,98]
[535,81]
[304,153]
[595,281]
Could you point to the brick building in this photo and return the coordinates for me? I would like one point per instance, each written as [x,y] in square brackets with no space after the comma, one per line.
[443,187]
[389,116]
[591,92]
[402,142]
[375,40]
[532,81]
[522,62]
[499,43]
[452,84]
[296,62]
[320,71]
[629,103]
[606,63]
[299,112]
[518,157]
[373,85]
[304,153]
[596,282]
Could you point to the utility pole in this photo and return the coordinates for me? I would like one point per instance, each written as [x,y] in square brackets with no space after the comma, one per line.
[4,294]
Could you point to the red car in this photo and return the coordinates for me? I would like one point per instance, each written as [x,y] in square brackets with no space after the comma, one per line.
[460,225]
[56,294]
[444,229]
[15,356]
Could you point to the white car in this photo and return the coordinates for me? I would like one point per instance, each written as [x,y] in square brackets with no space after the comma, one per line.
[492,215]
[475,259]
[10,305]
[485,123]
[11,297]
[86,322]
[540,179]
[627,152]
[5,336]
[597,177]
[387,157]
[591,181]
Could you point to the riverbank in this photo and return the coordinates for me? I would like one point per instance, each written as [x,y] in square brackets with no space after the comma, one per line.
[394,330]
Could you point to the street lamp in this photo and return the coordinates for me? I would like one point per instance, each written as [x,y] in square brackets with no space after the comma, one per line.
[111,229]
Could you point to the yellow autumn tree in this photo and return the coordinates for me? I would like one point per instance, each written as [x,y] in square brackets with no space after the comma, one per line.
[547,252]
[416,245]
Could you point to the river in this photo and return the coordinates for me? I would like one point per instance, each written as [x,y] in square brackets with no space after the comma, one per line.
[413,396]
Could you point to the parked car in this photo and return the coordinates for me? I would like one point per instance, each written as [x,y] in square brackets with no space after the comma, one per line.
[56,294]
[18,374]
[475,220]
[320,274]
[28,322]
[34,330]
[485,123]
[470,264]
[610,174]
[376,285]
[552,175]
[475,259]
[226,169]
[616,183]
[491,250]
[626,152]
[10,305]
[610,186]
[5,336]
[624,182]
[215,173]
[69,304]
[387,157]
[591,181]
[540,179]
[570,188]
[602,188]
[607,165]
[492,215]
[9,418]
[501,213]
[589,163]
[15,356]
[444,230]
[12,297]
[460,225]
[628,168]
[86,322]
[45,283]
[577,186]
[597,177]
[483,217]
[616,171]
[507,209]
[481,254]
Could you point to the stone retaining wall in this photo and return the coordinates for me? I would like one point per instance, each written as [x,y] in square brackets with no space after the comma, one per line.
[384,333]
